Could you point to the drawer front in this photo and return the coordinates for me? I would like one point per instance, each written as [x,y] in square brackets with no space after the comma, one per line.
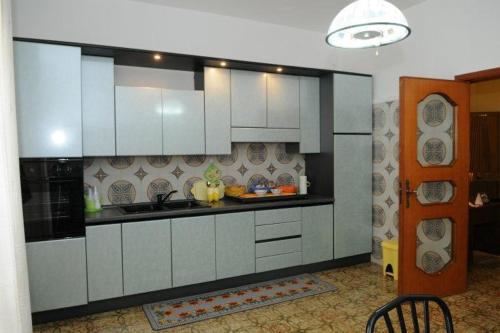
[279,261]
[277,216]
[278,230]
[278,247]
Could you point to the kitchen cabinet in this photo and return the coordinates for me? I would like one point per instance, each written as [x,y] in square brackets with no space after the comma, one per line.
[278,262]
[217,86]
[146,256]
[104,261]
[265,135]
[98,106]
[235,244]
[352,103]
[48,99]
[139,124]
[183,122]
[282,101]
[57,273]
[248,99]
[193,250]
[309,115]
[274,216]
[353,195]
[317,234]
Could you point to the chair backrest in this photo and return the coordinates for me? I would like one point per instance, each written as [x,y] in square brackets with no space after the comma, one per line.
[412,300]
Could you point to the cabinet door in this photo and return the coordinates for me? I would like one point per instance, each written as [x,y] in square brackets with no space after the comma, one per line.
[309,115]
[183,122]
[98,106]
[282,101]
[352,103]
[193,250]
[146,256]
[57,273]
[49,100]
[317,234]
[138,121]
[248,99]
[235,244]
[353,195]
[217,82]
[104,261]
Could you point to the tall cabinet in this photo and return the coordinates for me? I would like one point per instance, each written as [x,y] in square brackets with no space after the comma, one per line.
[344,167]
[48,99]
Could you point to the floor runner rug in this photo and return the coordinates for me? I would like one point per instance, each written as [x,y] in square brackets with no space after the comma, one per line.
[186,310]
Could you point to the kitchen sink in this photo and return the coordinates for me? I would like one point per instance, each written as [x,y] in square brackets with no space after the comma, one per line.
[167,206]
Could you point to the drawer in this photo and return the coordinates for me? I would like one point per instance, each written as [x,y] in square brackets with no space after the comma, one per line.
[278,230]
[278,247]
[279,261]
[278,216]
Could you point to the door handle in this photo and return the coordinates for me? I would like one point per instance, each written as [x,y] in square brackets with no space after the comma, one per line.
[408,192]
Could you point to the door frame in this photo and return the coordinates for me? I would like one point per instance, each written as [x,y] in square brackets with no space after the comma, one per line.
[474,77]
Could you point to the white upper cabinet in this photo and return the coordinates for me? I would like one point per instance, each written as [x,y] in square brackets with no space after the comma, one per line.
[138,121]
[49,100]
[248,99]
[282,101]
[183,122]
[98,106]
[309,115]
[352,99]
[217,85]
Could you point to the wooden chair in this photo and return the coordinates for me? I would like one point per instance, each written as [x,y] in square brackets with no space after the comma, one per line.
[412,300]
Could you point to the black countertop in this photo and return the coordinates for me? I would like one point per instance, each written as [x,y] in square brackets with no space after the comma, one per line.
[111,214]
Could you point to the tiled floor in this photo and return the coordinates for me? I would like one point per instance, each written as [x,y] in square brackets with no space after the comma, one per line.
[361,289]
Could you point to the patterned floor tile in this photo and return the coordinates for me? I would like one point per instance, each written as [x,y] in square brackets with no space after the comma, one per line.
[361,289]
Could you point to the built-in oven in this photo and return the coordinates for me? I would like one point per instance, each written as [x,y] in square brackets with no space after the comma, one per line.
[52,194]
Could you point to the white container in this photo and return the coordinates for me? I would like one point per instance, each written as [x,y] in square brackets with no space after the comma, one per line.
[303,184]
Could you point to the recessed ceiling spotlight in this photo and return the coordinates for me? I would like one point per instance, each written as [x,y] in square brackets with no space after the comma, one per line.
[279,69]
[223,64]
[157,57]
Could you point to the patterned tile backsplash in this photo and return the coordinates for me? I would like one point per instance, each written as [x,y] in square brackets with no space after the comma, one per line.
[122,180]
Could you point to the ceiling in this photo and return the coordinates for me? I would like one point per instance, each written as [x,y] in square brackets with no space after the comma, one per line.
[314,15]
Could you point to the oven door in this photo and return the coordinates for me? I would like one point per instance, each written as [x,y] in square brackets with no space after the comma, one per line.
[52,205]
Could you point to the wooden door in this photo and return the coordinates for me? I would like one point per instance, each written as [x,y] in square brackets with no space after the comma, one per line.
[434,165]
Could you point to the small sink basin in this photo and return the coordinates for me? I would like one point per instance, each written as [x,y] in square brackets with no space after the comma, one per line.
[181,204]
[141,208]
[167,206]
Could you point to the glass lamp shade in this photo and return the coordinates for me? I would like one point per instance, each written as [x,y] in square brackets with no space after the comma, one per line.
[367,23]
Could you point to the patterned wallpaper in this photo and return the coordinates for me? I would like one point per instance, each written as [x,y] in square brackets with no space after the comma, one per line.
[122,180]
[385,175]
[435,136]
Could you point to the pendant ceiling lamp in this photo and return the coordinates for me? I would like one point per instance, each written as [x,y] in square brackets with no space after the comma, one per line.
[367,23]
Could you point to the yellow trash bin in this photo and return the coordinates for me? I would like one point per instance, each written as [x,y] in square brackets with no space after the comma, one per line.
[390,258]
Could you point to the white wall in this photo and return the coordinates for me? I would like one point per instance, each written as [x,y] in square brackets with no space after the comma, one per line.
[142,25]
[449,37]
[15,314]
[153,77]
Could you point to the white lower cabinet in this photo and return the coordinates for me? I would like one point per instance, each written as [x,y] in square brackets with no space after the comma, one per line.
[104,261]
[317,234]
[57,273]
[146,256]
[235,244]
[193,250]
